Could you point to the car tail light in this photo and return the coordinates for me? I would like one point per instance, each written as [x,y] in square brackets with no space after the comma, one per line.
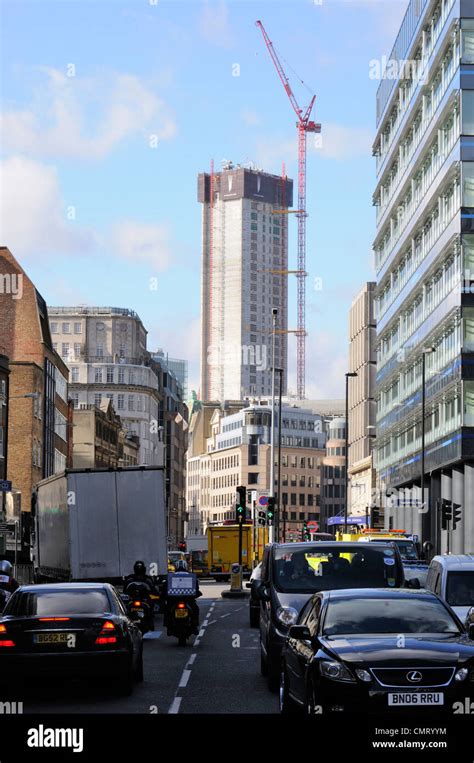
[5,642]
[137,603]
[104,636]
[53,619]
[181,605]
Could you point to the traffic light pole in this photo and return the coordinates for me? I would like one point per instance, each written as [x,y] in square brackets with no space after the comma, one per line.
[240,540]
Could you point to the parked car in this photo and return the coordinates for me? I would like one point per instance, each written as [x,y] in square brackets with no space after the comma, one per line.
[451,576]
[254,601]
[80,629]
[376,649]
[292,572]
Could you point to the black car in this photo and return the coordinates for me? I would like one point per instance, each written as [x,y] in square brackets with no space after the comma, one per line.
[376,649]
[254,600]
[292,572]
[81,629]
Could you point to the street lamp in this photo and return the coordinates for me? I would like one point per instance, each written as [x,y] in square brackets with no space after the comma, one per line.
[426,351]
[272,423]
[349,374]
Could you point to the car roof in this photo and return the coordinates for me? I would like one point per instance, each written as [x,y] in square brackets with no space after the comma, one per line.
[337,544]
[376,593]
[63,587]
[455,561]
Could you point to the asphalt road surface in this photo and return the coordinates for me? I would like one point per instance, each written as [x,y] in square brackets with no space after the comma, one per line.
[217,672]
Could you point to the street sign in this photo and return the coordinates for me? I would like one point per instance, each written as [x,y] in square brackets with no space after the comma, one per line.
[313,526]
[263,500]
[6,527]
[5,486]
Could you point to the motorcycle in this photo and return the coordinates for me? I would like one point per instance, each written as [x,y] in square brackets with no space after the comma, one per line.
[180,618]
[141,605]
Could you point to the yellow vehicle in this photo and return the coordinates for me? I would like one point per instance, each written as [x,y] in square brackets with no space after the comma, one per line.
[223,548]
[407,544]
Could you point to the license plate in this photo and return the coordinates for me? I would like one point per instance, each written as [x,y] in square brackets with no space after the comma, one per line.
[181,613]
[410,698]
[51,638]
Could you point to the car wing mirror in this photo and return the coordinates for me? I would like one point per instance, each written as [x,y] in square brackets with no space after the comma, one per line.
[300,632]
[263,592]
[470,631]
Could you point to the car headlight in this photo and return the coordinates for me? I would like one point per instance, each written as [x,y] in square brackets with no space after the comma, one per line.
[286,615]
[336,671]
[364,675]
[461,674]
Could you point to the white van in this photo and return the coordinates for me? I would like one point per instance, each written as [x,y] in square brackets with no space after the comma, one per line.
[451,576]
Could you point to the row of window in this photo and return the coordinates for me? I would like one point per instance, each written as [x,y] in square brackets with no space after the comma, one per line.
[66,328]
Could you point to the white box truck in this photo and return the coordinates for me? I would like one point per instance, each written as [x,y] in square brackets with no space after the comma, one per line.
[93,524]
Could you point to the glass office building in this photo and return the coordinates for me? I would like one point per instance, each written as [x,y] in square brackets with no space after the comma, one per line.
[424,256]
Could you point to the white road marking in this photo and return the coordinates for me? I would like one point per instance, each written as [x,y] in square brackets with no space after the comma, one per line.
[174,709]
[201,633]
[192,658]
[206,622]
[212,622]
[196,642]
[152,635]
[227,615]
[184,679]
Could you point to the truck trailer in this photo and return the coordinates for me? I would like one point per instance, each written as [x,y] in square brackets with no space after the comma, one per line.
[93,524]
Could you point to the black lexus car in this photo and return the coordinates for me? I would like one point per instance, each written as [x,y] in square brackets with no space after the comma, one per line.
[376,649]
[78,629]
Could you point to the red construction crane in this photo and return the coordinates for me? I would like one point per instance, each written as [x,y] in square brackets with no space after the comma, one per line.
[304,125]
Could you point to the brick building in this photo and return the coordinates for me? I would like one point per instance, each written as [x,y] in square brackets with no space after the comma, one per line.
[38,399]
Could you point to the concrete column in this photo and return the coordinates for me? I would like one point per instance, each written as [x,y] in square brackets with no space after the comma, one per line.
[458,497]
[446,492]
[468,508]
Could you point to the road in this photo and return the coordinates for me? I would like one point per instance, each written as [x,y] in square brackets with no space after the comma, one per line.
[218,672]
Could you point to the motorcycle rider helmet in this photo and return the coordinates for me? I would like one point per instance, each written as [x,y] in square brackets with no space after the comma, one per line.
[181,566]
[139,568]
[6,568]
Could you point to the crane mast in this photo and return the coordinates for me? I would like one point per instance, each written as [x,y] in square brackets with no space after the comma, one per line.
[304,126]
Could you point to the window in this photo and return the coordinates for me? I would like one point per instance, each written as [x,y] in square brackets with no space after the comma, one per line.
[97,399]
[98,376]
[121,376]
[131,402]
[77,349]
[252,478]
[66,328]
[78,328]
[74,374]
[120,402]
[100,350]
[54,328]
[110,375]
[467,42]
[293,499]
[302,500]
[65,349]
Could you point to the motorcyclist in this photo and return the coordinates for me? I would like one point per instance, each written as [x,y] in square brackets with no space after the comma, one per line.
[140,576]
[180,568]
[7,581]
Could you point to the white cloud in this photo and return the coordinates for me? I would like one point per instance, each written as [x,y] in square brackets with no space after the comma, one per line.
[33,215]
[58,124]
[214,23]
[143,243]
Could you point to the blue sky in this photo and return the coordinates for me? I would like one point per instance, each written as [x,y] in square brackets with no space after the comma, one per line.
[110,110]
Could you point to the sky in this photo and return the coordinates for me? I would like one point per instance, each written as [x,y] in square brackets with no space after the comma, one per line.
[111,109]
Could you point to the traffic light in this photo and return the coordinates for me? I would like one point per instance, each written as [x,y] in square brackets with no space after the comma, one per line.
[305,534]
[446,513]
[374,516]
[262,518]
[457,514]
[240,508]
[270,511]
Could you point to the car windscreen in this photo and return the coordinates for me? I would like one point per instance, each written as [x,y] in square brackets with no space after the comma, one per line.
[321,569]
[378,615]
[406,547]
[51,603]
[460,589]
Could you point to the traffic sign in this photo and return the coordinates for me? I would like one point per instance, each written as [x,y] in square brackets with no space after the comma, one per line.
[313,526]
[263,500]
[5,486]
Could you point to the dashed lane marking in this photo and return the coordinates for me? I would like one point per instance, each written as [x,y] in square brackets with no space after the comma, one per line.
[184,679]
[174,709]
[192,658]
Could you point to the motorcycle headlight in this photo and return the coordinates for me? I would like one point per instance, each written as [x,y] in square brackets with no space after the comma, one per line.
[286,616]
[364,675]
[336,671]
[461,674]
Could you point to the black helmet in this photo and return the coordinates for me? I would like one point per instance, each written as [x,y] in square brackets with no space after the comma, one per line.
[181,566]
[6,568]
[139,568]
